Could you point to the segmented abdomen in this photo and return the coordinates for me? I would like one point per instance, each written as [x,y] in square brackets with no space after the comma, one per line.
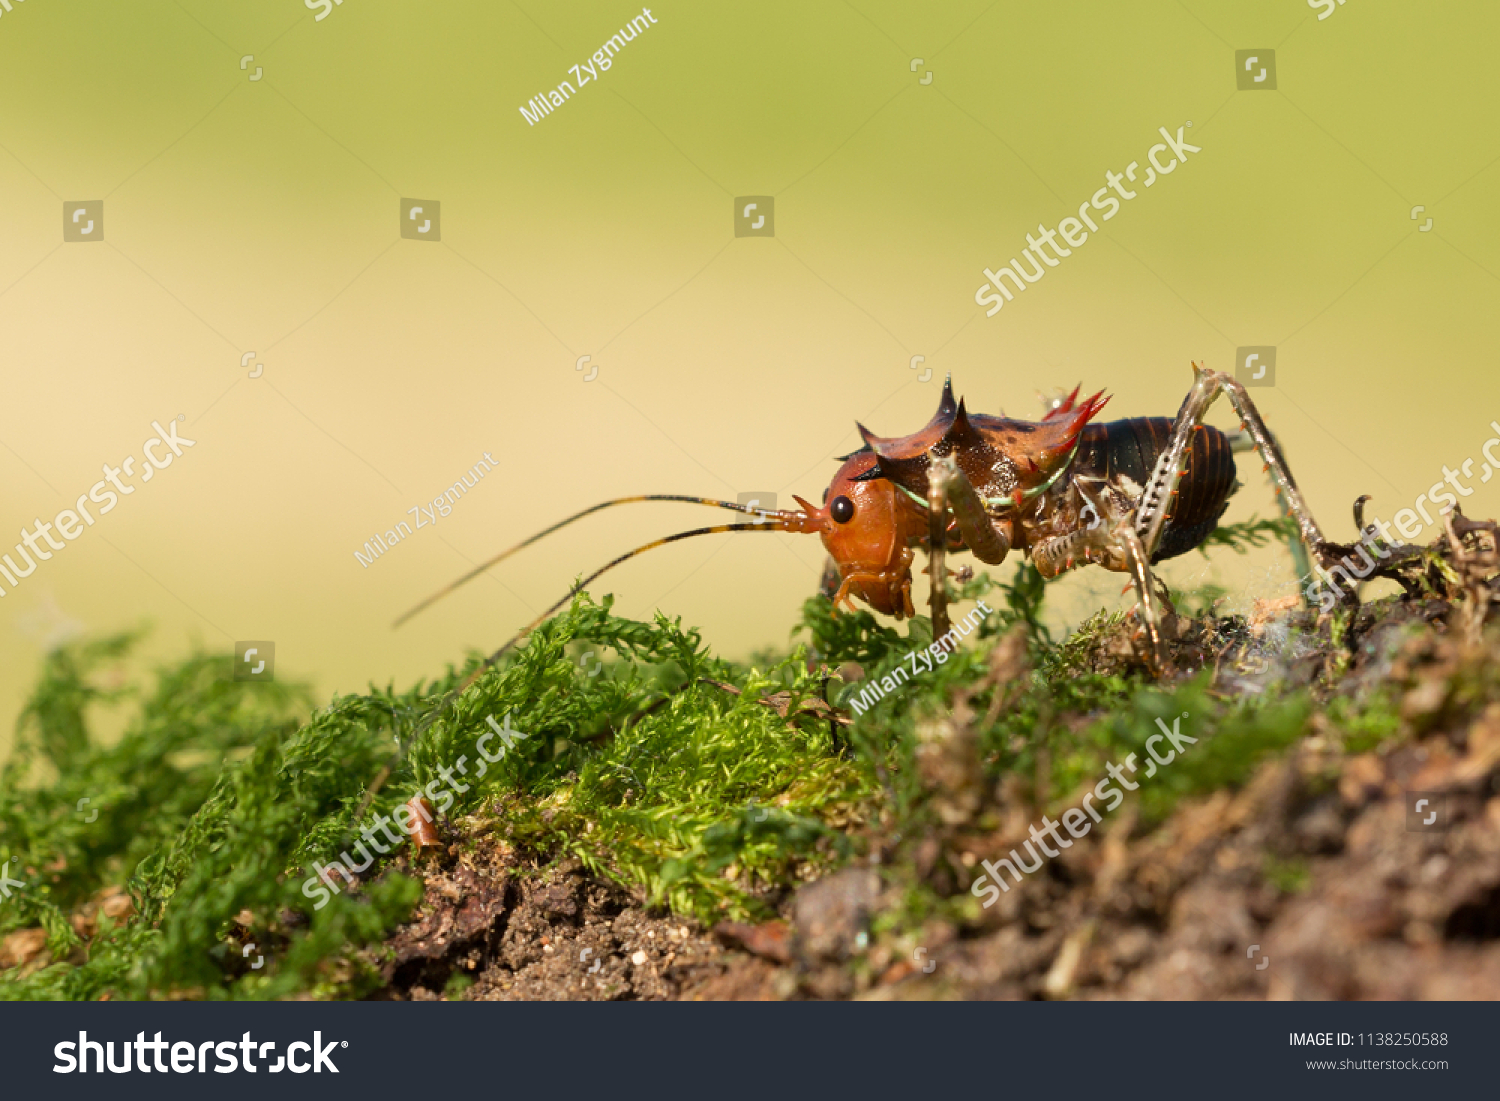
[1124,454]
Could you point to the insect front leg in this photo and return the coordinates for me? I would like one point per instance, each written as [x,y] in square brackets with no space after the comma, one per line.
[949,490]
[937,548]
[1091,539]
[1109,539]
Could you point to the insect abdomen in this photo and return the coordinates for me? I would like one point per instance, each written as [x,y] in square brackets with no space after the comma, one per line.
[1124,453]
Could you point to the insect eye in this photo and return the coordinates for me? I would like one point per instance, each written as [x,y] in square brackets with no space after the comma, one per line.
[842,509]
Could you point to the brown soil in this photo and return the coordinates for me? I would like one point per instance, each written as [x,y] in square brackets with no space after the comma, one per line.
[1373,908]
[1314,880]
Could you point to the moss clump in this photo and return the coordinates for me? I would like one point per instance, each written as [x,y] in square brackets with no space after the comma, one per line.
[704,787]
[219,801]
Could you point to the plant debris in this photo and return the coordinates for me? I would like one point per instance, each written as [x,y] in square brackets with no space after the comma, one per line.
[677,826]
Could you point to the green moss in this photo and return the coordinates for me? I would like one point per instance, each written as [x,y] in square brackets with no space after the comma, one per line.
[1288,876]
[1365,726]
[457,983]
[218,800]
[654,762]
[1251,533]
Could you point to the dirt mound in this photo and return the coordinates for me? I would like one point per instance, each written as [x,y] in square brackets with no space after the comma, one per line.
[493,926]
[1354,863]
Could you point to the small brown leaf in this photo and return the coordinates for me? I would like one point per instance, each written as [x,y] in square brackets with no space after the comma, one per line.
[770,940]
[424,834]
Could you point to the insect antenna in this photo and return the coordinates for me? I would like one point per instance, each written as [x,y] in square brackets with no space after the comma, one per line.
[523,544]
[785,522]
[626,557]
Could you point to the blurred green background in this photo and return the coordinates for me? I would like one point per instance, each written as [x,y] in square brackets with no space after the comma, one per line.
[262,215]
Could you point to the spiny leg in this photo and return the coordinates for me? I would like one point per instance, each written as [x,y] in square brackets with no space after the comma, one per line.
[937,548]
[1155,503]
[1091,543]
[1140,576]
[948,488]
[1161,487]
[1112,542]
[1243,441]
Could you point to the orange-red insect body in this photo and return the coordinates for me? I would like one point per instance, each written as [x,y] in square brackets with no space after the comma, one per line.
[1044,486]
[1064,491]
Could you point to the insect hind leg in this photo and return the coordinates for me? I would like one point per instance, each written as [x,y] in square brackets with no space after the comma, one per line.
[1156,502]
[1139,563]
[1110,541]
